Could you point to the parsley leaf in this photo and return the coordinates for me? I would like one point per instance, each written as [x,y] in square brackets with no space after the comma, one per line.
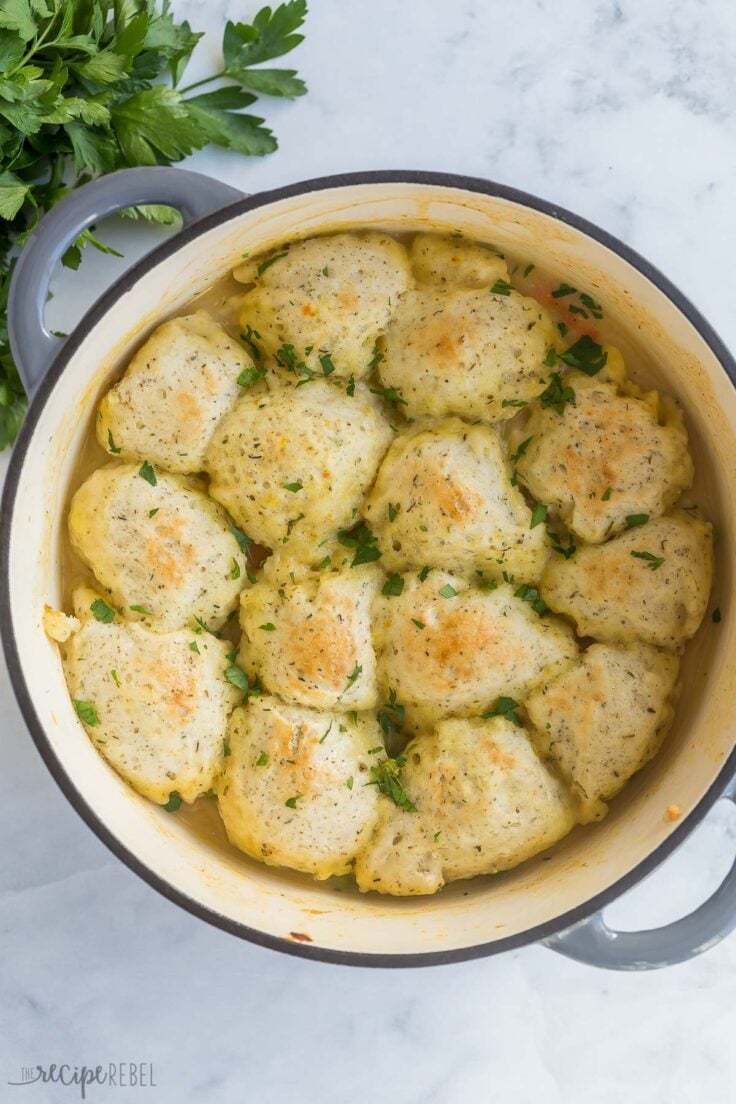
[238,677]
[539,514]
[86,711]
[363,541]
[586,355]
[653,562]
[173,804]
[557,393]
[386,778]
[633,520]
[393,586]
[503,707]
[102,611]
[501,287]
[146,472]
[530,594]
[391,717]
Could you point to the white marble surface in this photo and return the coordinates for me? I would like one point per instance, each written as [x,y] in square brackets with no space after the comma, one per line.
[624,111]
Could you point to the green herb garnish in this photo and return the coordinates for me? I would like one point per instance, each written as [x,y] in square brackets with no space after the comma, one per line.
[636,519]
[173,804]
[141,609]
[530,594]
[586,355]
[393,586]
[146,472]
[364,543]
[501,287]
[327,366]
[290,802]
[557,394]
[293,487]
[244,542]
[503,707]
[390,394]
[234,569]
[102,611]
[539,514]
[393,511]
[86,711]
[111,444]
[448,591]
[238,677]
[262,759]
[386,778]
[270,260]
[251,375]
[653,562]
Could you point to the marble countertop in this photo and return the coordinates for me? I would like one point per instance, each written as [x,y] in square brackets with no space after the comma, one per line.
[625,112]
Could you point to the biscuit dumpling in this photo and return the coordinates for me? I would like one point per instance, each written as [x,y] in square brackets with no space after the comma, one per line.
[292,466]
[174,392]
[464,352]
[603,719]
[153,707]
[164,552]
[651,583]
[468,781]
[444,497]
[606,458]
[455,262]
[331,295]
[450,649]
[310,639]
[294,789]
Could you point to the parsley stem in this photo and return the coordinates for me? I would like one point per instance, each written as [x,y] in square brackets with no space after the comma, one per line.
[199,83]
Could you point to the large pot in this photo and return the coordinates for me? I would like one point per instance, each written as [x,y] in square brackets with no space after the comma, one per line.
[556,898]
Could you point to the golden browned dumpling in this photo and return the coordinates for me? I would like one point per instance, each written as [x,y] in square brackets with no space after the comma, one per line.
[651,583]
[292,466]
[443,497]
[484,802]
[607,461]
[453,261]
[174,392]
[605,718]
[307,635]
[163,551]
[294,788]
[154,707]
[448,648]
[331,296]
[465,352]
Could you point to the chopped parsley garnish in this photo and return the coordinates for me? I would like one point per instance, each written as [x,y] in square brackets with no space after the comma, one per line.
[238,677]
[586,355]
[521,450]
[293,487]
[437,835]
[503,707]
[557,393]
[385,777]
[114,677]
[290,802]
[271,260]
[142,609]
[514,402]
[248,338]
[111,444]
[327,366]
[391,717]
[252,375]
[393,511]
[244,542]
[226,748]
[528,270]
[268,627]
[424,573]
[653,562]
[353,676]
[364,543]
[324,563]
[86,711]
[326,732]
[286,357]
[194,647]
[530,594]
[290,525]
[102,611]
[567,550]
[262,759]
[588,301]
[233,655]
[563,290]
[715,616]
[376,358]
[501,287]
[636,519]
[606,495]
[393,586]
[488,584]
[202,626]
[154,511]
[562,327]
[350,388]
[539,514]
[419,624]
[173,804]
[234,569]
[448,591]
[349,782]
[390,394]
[146,472]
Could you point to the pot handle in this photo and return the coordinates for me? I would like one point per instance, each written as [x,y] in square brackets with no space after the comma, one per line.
[32,344]
[592,942]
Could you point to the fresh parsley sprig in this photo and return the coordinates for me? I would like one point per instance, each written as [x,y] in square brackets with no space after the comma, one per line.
[87,88]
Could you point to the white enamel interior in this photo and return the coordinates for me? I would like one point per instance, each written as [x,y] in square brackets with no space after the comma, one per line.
[278,904]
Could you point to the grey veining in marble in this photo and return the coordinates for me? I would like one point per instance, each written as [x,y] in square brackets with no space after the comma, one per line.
[624,111]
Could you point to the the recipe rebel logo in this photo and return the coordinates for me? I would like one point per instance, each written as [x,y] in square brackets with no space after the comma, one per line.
[116,1075]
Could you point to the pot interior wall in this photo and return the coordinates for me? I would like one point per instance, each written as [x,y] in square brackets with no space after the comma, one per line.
[661,346]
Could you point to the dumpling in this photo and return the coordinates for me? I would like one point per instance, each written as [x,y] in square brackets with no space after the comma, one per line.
[155,707]
[444,261]
[164,552]
[308,635]
[466,352]
[469,781]
[447,648]
[443,497]
[605,718]
[292,466]
[174,392]
[651,583]
[294,791]
[332,295]
[607,458]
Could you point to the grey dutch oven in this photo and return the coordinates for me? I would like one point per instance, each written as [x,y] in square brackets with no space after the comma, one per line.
[556,899]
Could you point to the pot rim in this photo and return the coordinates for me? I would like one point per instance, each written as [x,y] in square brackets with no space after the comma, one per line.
[90,319]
